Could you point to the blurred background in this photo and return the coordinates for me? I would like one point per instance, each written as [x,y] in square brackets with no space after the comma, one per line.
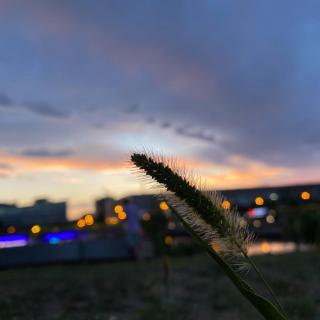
[229,89]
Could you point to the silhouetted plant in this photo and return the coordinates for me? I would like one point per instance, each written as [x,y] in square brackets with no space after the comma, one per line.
[217,229]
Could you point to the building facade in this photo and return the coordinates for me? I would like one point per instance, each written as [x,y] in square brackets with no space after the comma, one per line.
[42,212]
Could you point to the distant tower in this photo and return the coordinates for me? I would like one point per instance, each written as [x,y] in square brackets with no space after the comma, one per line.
[104,208]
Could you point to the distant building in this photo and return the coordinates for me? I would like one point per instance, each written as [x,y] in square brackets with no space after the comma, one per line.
[42,212]
[104,208]
[5,207]
[145,202]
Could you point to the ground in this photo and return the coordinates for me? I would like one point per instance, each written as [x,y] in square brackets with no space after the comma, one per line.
[136,290]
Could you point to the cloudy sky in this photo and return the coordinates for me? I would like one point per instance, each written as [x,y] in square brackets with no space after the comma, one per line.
[229,88]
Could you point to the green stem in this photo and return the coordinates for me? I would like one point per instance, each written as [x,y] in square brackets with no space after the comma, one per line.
[262,278]
[265,282]
[213,216]
[266,308]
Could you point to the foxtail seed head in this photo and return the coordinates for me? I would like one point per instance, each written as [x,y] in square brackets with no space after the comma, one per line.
[201,210]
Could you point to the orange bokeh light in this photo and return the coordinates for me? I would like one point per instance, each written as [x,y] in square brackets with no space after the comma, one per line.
[81,223]
[226,204]
[163,206]
[89,220]
[305,195]
[259,201]
[11,229]
[122,215]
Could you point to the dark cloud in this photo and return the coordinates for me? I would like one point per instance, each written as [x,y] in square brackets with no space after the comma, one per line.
[189,133]
[133,109]
[250,72]
[165,125]
[99,125]
[150,120]
[5,101]
[46,153]
[47,110]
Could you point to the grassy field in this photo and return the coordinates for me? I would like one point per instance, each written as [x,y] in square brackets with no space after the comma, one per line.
[129,290]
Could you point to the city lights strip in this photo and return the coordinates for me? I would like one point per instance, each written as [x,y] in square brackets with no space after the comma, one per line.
[59,236]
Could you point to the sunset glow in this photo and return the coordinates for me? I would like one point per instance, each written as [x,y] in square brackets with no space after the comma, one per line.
[80,91]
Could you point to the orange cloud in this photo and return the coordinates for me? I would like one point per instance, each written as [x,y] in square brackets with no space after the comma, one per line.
[236,172]
[248,174]
[23,163]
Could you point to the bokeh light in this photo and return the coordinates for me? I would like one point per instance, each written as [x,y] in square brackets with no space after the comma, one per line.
[89,220]
[265,247]
[259,201]
[35,229]
[118,208]
[226,204]
[257,223]
[11,229]
[270,218]
[146,216]
[305,195]
[122,215]
[111,220]
[163,206]
[168,240]
[81,223]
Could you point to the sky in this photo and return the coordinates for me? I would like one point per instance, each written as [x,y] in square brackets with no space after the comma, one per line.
[229,88]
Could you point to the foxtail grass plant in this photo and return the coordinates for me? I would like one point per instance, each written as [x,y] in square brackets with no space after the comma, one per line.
[217,228]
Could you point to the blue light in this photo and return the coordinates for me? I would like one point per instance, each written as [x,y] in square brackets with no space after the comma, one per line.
[59,236]
[14,240]
[54,240]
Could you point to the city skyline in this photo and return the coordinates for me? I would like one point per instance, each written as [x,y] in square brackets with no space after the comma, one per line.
[82,85]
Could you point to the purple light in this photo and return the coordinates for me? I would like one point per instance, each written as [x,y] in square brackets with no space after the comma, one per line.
[12,241]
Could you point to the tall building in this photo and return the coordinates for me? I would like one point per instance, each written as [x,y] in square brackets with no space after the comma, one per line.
[42,212]
[104,208]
